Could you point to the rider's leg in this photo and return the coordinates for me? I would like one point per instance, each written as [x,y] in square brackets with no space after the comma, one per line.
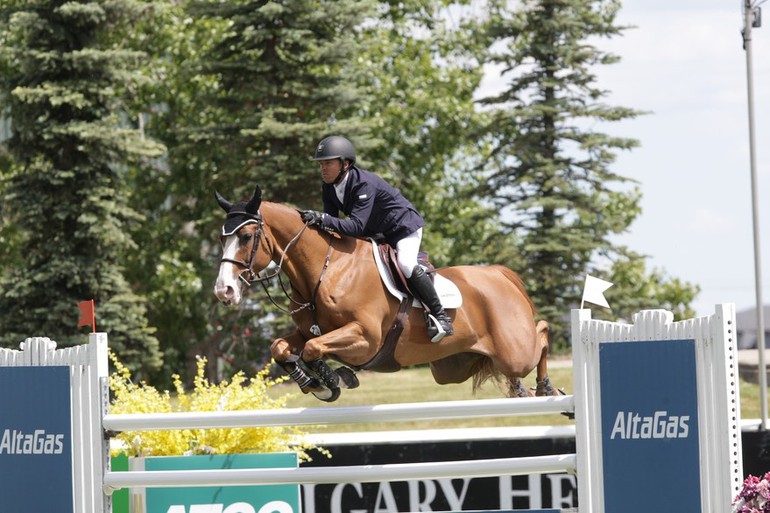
[421,284]
[423,288]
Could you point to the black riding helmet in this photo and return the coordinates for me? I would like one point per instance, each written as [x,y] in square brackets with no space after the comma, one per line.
[335,147]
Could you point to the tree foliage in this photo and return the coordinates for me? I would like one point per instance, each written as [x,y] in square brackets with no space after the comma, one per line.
[283,75]
[550,168]
[239,92]
[64,81]
[421,64]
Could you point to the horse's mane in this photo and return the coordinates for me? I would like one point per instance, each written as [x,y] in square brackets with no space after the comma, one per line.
[283,209]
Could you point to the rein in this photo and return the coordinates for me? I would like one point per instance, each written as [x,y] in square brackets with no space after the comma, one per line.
[255,278]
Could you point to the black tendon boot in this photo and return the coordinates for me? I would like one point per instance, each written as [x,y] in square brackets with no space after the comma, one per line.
[422,287]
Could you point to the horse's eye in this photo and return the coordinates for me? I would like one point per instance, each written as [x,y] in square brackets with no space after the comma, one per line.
[246,237]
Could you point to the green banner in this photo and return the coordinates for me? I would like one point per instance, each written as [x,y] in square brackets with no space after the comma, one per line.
[119,463]
[225,499]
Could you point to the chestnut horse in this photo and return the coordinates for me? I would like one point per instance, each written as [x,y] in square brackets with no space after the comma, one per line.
[344,312]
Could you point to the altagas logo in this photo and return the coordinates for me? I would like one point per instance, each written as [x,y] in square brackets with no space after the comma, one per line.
[631,426]
[37,442]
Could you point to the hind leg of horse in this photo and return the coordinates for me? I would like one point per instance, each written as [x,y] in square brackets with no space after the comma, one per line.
[516,388]
[544,386]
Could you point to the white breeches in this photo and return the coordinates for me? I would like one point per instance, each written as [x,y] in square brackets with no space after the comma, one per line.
[407,250]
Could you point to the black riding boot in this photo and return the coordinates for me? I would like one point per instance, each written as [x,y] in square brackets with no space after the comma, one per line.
[422,287]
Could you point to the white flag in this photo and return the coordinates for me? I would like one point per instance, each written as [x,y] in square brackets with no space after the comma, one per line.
[593,291]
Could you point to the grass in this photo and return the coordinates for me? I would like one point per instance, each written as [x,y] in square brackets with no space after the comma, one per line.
[749,400]
[417,385]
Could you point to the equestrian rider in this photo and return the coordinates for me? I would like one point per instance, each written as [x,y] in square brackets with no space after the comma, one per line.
[374,207]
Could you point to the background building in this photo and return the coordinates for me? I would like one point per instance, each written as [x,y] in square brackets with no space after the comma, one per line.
[747,328]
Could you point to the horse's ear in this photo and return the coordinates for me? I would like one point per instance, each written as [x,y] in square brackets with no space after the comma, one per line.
[252,206]
[226,205]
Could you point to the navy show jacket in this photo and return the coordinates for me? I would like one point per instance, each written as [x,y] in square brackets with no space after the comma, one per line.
[373,207]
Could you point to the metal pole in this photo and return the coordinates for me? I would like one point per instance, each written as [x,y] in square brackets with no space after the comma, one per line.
[748,23]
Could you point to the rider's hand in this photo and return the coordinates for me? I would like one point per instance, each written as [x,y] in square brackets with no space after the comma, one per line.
[312,217]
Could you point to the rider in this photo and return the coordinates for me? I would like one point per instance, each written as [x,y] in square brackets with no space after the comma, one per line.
[374,207]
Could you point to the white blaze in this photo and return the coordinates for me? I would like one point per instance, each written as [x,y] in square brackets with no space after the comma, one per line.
[228,286]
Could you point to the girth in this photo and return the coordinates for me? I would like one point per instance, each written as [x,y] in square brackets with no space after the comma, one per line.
[385,359]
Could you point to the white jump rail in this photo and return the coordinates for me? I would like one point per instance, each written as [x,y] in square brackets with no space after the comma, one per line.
[347,474]
[340,414]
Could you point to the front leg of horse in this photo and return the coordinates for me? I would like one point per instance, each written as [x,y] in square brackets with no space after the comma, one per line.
[285,352]
[341,342]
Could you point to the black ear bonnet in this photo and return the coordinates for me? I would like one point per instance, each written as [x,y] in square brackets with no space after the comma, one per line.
[240,214]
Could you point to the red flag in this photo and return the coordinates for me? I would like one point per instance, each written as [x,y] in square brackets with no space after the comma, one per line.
[87,314]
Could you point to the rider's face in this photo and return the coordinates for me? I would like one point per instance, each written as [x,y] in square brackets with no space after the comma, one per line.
[330,169]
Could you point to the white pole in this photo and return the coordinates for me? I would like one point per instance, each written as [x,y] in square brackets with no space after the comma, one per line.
[352,474]
[339,415]
[749,11]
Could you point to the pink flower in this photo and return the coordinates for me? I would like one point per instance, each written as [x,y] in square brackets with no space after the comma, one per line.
[763,489]
[754,497]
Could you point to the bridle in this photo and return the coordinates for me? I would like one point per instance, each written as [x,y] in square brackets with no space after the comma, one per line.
[259,235]
[249,277]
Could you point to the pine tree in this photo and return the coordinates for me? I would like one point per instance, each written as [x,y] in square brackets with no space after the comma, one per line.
[420,66]
[65,80]
[550,168]
[283,77]
[249,88]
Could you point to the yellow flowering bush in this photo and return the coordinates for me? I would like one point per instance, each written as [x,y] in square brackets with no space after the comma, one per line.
[239,393]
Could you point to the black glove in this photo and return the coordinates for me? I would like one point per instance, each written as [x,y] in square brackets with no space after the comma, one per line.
[312,217]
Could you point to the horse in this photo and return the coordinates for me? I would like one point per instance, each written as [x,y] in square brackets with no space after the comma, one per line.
[344,312]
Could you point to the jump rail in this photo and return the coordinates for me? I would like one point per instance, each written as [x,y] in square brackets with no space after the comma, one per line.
[340,415]
[348,474]
[709,418]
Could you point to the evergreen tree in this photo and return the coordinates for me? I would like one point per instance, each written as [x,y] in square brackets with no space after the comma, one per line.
[421,68]
[550,168]
[249,88]
[65,81]
[283,81]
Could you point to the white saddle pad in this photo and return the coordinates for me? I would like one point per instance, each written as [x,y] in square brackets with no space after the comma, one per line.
[447,291]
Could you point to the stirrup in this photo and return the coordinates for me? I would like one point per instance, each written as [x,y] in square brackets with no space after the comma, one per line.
[435,330]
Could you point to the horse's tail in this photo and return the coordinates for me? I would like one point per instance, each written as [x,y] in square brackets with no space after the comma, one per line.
[482,371]
[516,280]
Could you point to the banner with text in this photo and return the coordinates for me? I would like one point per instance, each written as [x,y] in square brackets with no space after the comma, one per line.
[649,416]
[224,499]
[35,439]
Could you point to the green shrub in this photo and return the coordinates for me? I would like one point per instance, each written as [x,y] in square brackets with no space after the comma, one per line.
[239,393]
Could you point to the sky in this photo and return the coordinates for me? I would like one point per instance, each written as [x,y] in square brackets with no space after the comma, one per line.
[684,64]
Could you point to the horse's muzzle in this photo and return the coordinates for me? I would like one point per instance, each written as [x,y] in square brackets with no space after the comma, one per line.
[226,294]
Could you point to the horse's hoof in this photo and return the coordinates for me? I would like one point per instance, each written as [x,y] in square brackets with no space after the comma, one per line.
[516,389]
[348,377]
[546,389]
[325,374]
[328,395]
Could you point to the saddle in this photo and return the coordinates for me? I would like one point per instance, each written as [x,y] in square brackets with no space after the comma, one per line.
[395,282]
[390,265]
